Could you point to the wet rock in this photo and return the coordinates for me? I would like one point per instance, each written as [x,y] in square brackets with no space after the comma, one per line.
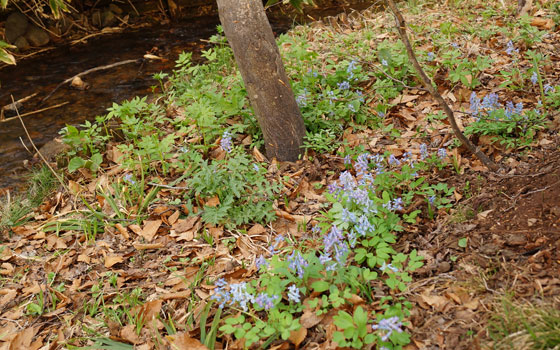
[53,148]
[108,19]
[37,36]
[96,19]
[22,43]
[16,26]
[115,9]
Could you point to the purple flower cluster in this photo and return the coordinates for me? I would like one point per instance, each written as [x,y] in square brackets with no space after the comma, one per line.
[297,263]
[293,293]
[510,49]
[225,141]
[389,325]
[266,301]
[233,294]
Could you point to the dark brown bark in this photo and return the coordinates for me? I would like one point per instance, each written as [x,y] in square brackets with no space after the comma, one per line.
[258,59]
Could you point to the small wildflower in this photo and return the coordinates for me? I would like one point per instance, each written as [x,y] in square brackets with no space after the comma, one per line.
[301,100]
[333,237]
[431,200]
[386,266]
[490,101]
[351,108]
[393,161]
[265,301]
[534,78]
[225,142]
[128,178]
[454,45]
[347,160]
[510,49]
[384,62]
[381,114]
[256,167]
[431,56]
[475,104]
[293,293]
[316,229]
[261,261]
[442,153]
[423,151]
[344,85]
[548,88]
[389,325]
[347,216]
[296,262]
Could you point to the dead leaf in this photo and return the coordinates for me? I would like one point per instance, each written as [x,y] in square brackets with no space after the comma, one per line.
[151,309]
[111,260]
[212,202]
[182,341]
[403,99]
[23,339]
[150,229]
[128,333]
[298,336]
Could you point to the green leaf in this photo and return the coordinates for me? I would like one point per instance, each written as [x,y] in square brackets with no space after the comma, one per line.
[320,286]
[75,164]
[462,242]
[343,320]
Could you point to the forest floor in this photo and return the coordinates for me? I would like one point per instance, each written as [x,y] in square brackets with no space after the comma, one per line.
[126,255]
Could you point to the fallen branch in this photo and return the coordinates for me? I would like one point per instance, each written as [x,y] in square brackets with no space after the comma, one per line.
[11,106]
[3,120]
[96,69]
[401,27]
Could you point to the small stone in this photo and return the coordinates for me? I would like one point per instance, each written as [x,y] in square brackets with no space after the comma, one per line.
[443,267]
[22,43]
[108,19]
[115,9]
[37,36]
[16,25]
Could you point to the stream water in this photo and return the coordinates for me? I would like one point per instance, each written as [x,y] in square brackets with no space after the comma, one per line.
[43,73]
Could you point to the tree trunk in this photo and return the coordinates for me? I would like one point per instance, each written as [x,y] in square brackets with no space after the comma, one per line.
[258,59]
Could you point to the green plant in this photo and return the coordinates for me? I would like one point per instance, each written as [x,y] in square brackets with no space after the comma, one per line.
[14,210]
[511,125]
[515,323]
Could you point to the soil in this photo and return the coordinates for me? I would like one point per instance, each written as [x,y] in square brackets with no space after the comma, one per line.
[513,248]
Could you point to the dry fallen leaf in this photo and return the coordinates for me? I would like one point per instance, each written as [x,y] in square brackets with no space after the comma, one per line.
[150,229]
[111,260]
[182,341]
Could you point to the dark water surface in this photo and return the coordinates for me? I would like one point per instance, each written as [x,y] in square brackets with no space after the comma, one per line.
[43,73]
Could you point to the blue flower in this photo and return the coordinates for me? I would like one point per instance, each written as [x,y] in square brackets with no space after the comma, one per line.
[225,141]
[128,178]
[351,107]
[442,153]
[490,101]
[265,301]
[384,62]
[261,261]
[454,45]
[389,325]
[297,263]
[510,49]
[431,56]
[475,104]
[393,161]
[293,293]
[534,78]
[344,85]
[548,88]
[333,237]
[423,151]
[431,200]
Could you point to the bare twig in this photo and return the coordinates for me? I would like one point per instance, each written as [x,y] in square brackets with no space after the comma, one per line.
[96,69]
[401,27]
[33,112]
[36,149]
